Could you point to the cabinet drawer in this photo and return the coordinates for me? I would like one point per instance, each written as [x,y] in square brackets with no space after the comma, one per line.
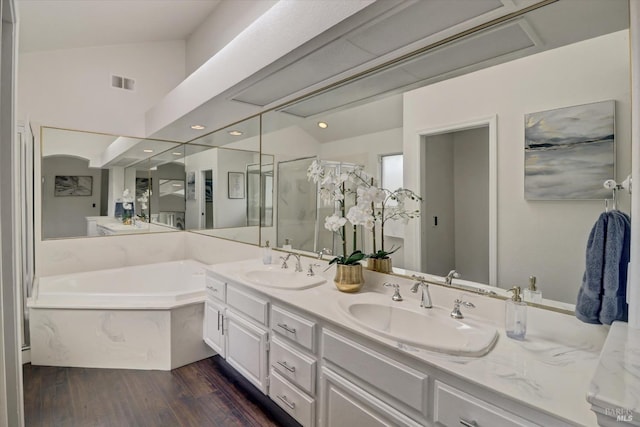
[294,327]
[293,365]
[215,288]
[250,305]
[453,407]
[294,402]
[401,382]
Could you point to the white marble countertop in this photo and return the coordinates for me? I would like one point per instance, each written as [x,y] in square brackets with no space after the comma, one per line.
[550,370]
[615,388]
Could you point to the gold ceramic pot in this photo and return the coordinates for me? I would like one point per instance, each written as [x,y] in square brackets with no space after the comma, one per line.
[382,265]
[349,277]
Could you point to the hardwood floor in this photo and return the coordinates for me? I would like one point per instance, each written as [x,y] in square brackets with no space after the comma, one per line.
[198,394]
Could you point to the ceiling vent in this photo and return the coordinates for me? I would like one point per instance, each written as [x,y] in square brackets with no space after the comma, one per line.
[120,82]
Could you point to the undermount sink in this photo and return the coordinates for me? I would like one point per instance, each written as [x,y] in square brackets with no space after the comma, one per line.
[431,329]
[275,277]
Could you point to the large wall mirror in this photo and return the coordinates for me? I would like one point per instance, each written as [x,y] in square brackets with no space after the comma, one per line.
[97,184]
[450,125]
[447,123]
[224,190]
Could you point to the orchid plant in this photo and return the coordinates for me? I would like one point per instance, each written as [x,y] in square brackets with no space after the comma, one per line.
[143,200]
[334,190]
[373,206]
[127,204]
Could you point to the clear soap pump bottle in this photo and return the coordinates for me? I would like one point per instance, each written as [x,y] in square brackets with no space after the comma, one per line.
[266,254]
[532,294]
[515,315]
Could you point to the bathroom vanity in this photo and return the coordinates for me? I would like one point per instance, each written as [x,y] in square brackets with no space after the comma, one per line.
[299,341]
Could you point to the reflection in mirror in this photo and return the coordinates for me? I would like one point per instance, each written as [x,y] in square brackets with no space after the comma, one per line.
[222,198]
[469,98]
[90,181]
[166,188]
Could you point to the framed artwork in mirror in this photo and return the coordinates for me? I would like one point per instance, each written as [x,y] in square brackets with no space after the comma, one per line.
[73,185]
[236,185]
[570,152]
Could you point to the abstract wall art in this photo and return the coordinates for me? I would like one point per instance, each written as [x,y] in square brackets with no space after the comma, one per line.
[570,152]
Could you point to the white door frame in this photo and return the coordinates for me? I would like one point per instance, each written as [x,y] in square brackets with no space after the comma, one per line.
[412,178]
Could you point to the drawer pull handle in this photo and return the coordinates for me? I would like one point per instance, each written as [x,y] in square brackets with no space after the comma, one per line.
[286,401]
[286,366]
[466,423]
[286,328]
[209,287]
[218,319]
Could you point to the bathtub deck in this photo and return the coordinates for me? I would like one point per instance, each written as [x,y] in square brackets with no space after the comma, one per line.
[194,395]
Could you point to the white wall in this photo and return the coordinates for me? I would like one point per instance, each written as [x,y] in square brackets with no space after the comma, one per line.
[546,239]
[231,212]
[72,88]
[226,21]
[438,242]
[471,200]
[66,216]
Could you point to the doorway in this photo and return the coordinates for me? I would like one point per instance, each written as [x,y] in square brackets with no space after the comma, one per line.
[457,231]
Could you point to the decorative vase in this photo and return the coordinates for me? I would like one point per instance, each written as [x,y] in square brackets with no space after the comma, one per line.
[349,277]
[381,265]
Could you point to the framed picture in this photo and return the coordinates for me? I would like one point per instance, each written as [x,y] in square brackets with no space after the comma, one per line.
[570,152]
[73,185]
[236,185]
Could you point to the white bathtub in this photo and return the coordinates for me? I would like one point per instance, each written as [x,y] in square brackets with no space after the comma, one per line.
[163,285]
[141,317]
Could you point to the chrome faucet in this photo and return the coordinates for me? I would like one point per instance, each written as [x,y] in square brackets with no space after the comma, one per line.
[298,263]
[456,313]
[324,251]
[452,275]
[425,299]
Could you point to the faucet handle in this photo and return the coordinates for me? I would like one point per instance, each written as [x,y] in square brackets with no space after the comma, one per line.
[284,261]
[396,294]
[456,313]
[310,271]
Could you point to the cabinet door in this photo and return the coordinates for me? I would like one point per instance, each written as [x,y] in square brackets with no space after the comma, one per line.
[213,329]
[246,346]
[345,404]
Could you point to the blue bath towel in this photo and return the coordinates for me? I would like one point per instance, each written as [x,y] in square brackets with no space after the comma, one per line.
[614,281]
[589,295]
[602,296]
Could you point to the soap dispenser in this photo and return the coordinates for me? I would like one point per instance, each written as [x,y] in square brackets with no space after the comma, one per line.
[532,294]
[287,245]
[266,254]
[515,315]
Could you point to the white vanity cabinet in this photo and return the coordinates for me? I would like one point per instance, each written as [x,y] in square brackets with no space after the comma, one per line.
[293,364]
[246,347]
[375,386]
[235,326]
[454,407]
[214,326]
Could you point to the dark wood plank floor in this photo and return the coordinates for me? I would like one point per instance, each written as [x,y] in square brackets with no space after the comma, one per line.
[194,395]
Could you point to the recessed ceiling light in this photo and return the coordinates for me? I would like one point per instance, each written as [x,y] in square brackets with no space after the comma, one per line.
[197,127]
[177,154]
[235,133]
[177,185]
[323,125]
[148,151]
